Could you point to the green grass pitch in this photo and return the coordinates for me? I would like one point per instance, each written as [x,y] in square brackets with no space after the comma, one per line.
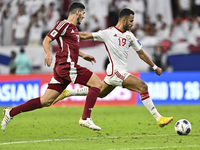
[123,128]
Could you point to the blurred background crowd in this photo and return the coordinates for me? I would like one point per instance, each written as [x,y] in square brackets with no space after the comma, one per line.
[167,26]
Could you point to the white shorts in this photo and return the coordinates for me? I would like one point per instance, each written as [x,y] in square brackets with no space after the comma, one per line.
[117,78]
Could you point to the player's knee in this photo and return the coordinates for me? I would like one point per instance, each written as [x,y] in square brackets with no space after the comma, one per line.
[98,85]
[46,103]
[143,87]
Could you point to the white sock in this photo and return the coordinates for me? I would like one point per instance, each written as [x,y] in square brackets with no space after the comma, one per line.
[78,92]
[152,109]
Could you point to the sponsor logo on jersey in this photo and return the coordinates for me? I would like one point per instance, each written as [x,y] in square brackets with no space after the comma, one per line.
[54,33]
[128,37]
[115,35]
[72,31]
[138,42]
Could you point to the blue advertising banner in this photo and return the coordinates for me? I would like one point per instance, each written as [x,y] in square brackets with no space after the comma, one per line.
[173,88]
[17,92]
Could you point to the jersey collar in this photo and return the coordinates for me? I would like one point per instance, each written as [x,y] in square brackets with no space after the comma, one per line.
[120,30]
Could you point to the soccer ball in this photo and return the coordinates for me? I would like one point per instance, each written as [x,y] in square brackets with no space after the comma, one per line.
[183,127]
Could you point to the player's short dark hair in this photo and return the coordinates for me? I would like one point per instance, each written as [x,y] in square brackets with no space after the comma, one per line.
[125,12]
[74,6]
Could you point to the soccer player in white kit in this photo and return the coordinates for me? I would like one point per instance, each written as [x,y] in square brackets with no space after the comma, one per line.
[117,41]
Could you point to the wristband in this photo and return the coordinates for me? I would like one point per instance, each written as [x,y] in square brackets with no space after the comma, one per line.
[154,67]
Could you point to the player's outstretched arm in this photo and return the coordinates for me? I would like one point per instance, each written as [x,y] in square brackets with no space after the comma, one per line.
[46,45]
[85,36]
[87,57]
[146,59]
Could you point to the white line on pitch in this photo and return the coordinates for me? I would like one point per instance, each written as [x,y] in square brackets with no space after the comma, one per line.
[68,139]
[92,138]
[156,147]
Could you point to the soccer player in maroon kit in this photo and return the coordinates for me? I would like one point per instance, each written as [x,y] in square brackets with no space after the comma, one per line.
[66,69]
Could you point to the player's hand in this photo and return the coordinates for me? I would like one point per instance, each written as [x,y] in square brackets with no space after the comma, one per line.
[158,71]
[89,58]
[48,59]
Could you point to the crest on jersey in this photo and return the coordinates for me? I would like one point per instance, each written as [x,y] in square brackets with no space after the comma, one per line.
[128,37]
[54,33]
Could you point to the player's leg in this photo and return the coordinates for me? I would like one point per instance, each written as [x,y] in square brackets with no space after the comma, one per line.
[135,84]
[30,105]
[95,85]
[91,80]
[52,92]
[105,90]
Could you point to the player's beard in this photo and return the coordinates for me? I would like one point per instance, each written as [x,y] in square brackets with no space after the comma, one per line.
[127,27]
[79,19]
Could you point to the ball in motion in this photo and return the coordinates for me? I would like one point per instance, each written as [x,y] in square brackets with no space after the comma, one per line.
[183,127]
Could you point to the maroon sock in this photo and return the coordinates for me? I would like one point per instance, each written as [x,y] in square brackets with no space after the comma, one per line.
[90,102]
[27,106]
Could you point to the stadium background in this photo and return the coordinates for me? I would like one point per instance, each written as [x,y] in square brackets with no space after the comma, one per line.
[178,85]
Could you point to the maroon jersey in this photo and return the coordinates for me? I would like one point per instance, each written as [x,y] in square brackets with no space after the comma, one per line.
[68,40]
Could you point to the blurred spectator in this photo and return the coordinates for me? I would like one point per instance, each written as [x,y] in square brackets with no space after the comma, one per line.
[163,33]
[157,57]
[12,62]
[84,26]
[122,4]
[164,8]
[147,23]
[178,37]
[98,14]
[22,63]
[178,30]
[138,6]
[42,14]
[194,37]
[7,25]
[52,17]
[32,6]
[184,7]
[35,31]
[20,27]
[159,22]
[149,41]
[137,31]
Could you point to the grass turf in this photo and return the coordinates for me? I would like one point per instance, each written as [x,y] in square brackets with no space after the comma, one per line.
[123,128]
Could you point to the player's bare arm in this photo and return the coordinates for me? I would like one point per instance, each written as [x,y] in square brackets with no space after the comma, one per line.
[146,59]
[46,45]
[87,57]
[85,36]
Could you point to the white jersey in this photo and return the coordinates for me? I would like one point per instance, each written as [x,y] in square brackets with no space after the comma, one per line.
[117,44]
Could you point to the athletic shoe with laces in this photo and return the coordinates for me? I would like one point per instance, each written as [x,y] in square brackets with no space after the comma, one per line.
[61,96]
[6,118]
[164,121]
[88,123]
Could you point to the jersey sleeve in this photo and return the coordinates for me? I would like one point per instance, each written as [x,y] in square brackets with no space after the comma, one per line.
[100,35]
[135,44]
[58,29]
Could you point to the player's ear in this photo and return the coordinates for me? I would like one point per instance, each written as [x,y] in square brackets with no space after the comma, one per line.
[124,20]
[77,12]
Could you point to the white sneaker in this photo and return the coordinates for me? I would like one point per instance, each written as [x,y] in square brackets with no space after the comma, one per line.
[88,123]
[6,118]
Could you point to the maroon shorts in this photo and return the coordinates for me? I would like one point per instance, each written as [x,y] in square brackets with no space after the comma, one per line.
[69,72]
